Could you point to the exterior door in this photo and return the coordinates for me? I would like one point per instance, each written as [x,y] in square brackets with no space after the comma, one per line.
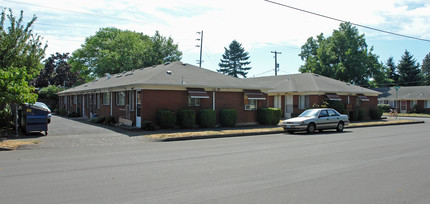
[403,106]
[288,106]
[138,110]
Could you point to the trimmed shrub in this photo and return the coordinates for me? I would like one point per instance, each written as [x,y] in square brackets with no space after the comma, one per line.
[359,114]
[166,119]
[207,118]
[109,120]
[187,118]
[99,119]
[385,107]
[149,126]
[269,116]
[375,114]
[228,117]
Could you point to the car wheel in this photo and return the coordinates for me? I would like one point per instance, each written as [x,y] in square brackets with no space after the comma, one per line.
[311,128]
[340,127]
[290,132]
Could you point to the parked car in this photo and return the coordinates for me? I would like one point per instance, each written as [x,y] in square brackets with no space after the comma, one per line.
[44,106]
[316,119]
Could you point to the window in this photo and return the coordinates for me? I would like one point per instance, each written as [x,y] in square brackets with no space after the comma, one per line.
[252,104]
[303,102]
[427,104]
[323,113]
[106,98]
[131,100]
[357,101]
[277,101]
[332,113]
[412,103]
[193,101]
[120,98]
[98,100]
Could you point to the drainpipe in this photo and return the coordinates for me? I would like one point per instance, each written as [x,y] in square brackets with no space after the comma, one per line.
[110,95]
[213,100]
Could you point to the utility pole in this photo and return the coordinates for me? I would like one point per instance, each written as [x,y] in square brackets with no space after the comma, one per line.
[276,62]
[201,45]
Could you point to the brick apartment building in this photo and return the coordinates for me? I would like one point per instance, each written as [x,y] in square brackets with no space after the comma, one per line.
[296,92]
[137,95]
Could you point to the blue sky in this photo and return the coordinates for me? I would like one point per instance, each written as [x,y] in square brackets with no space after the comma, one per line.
[260,26]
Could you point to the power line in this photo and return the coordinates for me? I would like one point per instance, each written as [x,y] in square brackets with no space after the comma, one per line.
[81,12]
[336,19]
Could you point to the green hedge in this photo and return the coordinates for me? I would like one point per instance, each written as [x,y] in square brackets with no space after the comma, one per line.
[359,114]
[269,116]
[375,114]
[187,118]
[228,117]
[166,119]
[207,118]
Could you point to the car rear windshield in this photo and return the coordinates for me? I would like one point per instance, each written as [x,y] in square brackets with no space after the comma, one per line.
[309,113]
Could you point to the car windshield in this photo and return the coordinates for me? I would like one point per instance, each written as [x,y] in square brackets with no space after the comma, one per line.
[309,113]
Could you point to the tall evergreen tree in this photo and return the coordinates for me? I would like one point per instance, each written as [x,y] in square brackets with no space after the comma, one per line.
[234,61]
[409,70]
[426,69]
[392,71]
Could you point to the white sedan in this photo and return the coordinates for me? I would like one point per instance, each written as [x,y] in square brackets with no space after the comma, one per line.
[316,119]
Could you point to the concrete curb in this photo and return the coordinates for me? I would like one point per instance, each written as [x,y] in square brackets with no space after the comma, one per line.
[198,137]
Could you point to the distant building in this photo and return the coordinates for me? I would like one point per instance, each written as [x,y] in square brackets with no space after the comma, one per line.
[406,98]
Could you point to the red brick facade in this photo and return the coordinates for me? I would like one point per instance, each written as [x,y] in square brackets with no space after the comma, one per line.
[153,100]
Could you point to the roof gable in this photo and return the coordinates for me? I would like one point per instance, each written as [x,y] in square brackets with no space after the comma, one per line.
[309,82]
[168,74]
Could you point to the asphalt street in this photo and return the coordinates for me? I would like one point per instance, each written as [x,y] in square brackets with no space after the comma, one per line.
[387,164]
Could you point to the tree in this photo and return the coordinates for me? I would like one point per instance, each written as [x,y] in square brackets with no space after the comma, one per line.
[234,60]
[112,50]
[392,71]
[57,72]
[409,71]
[343,56]
[426,69]
[20,54]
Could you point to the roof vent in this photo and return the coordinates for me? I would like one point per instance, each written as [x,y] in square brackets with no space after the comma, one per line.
[141,68]
[123,72]
[166,63]
[108,75]
[169,72]
[316,74]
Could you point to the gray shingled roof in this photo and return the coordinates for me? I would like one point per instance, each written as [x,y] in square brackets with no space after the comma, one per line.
[308,82]
[405,93]
[169,74]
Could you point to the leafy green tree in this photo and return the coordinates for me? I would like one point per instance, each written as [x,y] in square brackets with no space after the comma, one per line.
[392,71]
[20,54]
[344,56]
[234,61]
[409,70]
[426,69]
[112,50]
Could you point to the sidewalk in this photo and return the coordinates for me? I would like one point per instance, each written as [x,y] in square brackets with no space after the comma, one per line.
[258,130]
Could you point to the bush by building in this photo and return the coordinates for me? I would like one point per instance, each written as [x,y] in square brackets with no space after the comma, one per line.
[385,107]
[207,118]
[269,116]
[187,118]
[375,114]
[228,117]
[166,119]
